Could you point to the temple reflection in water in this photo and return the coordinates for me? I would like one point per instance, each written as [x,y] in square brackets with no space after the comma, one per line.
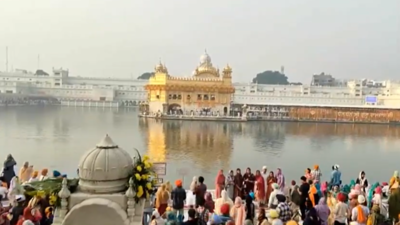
[209,144]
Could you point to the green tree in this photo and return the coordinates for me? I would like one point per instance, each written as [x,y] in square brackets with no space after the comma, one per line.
[146,76]
[271,77]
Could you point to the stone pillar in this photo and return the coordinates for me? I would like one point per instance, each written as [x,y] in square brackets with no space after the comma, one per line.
[64,195]
[130,195]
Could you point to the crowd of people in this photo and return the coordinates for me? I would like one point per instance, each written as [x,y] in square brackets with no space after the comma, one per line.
[20,210]
[262,198]
[239,196]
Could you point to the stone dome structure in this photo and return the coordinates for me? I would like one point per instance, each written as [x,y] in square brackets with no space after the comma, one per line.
[105,168]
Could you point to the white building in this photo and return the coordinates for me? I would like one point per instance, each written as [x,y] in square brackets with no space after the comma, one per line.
[131,91]
[353,94]
[60,85]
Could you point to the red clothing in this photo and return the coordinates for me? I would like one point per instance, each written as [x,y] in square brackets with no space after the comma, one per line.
[219,184]
[270,181]
[260,188]
[28,216]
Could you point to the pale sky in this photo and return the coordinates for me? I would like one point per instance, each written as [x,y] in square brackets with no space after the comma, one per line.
[124,38]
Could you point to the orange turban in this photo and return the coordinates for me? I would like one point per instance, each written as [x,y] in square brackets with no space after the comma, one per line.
[178,183]
[225,209]
[44,172]
[316,167]
[35,174]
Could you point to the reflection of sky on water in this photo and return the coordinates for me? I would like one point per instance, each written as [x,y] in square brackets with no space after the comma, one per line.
[57,137]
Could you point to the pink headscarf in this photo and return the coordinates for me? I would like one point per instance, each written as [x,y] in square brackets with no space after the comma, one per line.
[378,190]
[357,187]
[324,187]
[354,193]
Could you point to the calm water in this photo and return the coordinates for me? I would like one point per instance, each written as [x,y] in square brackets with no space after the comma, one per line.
[55,138]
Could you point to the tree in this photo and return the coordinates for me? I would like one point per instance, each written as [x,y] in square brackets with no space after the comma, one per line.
[146,76]
[271,77]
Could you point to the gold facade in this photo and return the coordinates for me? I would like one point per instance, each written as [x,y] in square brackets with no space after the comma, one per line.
[207,88]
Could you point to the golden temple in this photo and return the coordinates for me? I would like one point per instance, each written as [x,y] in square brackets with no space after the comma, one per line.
[208,90]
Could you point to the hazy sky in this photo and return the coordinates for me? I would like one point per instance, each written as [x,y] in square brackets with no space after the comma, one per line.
[123,38]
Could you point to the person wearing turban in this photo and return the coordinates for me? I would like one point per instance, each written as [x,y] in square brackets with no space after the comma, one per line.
[178,196]
[376,217]
[274,217]
[316,173]
[336,176]
[223,217]
[34,177]
[224,200]
[360,212]
[339,213]
[43,175]
[56,174]
[273,201]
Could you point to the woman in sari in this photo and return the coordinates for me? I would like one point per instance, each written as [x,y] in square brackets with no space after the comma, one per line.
[270,180]
[260,188]
[238,212]
[238,182]
[230,184]
[280,179]
[219,183]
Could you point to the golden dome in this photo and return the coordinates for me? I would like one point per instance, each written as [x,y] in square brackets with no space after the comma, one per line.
[228,68]
[206,67]
[160,68]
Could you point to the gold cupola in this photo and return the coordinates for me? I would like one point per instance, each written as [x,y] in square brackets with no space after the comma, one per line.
[227,71]
[160,68]
[205,68]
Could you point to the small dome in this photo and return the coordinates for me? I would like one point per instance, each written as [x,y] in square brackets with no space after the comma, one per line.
[159,66]
[205,58]
[105,168]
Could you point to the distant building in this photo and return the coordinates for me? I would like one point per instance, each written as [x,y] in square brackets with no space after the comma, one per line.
[322,80]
